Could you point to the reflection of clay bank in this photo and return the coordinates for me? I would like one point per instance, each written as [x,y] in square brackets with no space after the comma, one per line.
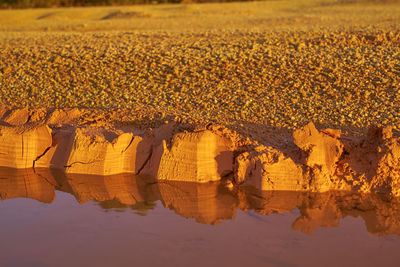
[317,161]
[127,189]
[204,202]
[381,214]
[25,183]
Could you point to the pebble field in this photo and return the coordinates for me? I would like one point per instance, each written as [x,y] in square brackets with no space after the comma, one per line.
[261,63]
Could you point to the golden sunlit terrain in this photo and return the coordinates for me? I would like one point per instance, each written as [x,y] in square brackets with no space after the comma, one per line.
[278,63]
[216,134]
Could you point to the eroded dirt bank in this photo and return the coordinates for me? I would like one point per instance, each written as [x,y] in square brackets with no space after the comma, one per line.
[308,159]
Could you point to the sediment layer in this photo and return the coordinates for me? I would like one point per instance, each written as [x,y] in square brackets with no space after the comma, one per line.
[308,160]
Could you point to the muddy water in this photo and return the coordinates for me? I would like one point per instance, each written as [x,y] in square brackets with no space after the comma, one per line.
[49,218]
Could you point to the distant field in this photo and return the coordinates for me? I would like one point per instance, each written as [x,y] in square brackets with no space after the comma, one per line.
[245,16]
[77,3]
[280,63]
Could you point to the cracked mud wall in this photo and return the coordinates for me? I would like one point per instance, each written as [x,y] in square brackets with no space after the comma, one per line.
[309,160]
[197,157]
[20,147]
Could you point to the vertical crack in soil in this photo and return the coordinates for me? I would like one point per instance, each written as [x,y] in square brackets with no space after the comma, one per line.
[130,143]
[41,155]
[145,162]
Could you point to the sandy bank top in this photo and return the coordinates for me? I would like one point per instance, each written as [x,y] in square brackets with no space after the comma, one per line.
[251,65]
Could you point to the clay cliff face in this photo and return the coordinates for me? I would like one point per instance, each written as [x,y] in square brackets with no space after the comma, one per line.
[86,152]
[310,160]
[323,150]
[269,169]
[371,164]
[97,155]
[200,156]
[327,161]
[197,157]
[20,147]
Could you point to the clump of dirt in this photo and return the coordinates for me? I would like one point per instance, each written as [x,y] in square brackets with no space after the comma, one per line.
[62,117]
[125,15]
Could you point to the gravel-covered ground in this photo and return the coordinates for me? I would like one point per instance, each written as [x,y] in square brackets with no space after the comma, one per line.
[337,65]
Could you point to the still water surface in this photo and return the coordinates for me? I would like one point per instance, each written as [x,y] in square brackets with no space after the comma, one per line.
[52,219]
